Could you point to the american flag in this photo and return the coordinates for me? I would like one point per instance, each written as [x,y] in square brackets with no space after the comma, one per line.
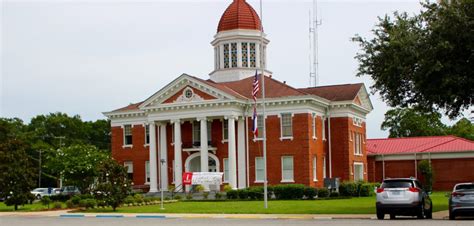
[255,90]
[256,87]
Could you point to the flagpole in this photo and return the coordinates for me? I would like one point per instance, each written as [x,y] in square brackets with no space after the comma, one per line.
[264,132]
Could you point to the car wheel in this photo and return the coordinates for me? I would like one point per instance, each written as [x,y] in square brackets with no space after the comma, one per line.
[429,214]
[380,215]
[452,216]
[38,197]
[392,216]
[421,211]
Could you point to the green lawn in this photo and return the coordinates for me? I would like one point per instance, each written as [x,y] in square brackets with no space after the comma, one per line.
[364,205]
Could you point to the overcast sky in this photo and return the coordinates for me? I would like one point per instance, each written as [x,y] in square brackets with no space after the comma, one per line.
[88,57]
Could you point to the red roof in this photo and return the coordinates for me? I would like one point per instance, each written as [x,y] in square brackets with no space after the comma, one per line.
[435,144]
[335,92]
[239,15]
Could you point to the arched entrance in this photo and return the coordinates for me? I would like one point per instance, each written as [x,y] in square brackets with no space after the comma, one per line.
[193,164]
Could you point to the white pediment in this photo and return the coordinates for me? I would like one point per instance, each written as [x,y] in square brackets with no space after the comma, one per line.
[365,99]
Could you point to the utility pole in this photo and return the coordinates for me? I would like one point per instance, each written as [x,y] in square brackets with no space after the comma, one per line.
[39,174]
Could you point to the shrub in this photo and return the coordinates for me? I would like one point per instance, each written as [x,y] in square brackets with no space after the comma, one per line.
[290,191]
[75,200]
[69,204]
[45,200]
[424,167]
[138,198]
[366,190]
[218,195]
[243,193]
[57,205]
[171,188]
[334,194]
[60,198]
[178,197]
[101,203]
[189,196]
[199,188]
[148,200]
[129,199]
[205,195]
[232,194]
[310,192]
[348,189]
[227,188]
[323,193]
[87,203]
[86,196]
[255,193]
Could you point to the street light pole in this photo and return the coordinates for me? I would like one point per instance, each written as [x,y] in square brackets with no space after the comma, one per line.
[161,182]
[39,174]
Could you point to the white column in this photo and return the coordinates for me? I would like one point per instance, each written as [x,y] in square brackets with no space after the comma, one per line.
[204,149]
[163,156]
[232,154]
[239,54]
[241,153]
[178,165]
[152,158]
[257,54]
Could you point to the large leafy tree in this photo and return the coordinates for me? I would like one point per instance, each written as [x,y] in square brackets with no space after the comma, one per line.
[410,122]
[78,165]
[425,60]
[463,128]
[16,173]
[113,184]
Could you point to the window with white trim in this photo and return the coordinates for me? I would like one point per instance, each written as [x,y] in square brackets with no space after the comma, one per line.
[259,171]
[357,143]
[286,120]
[129,166]
[314,125]
[197,133]
[233,50]
[127,135]
[147,172]
[226,170]
[324,167]
[358,171]
[315,168]
[357,121]
[147,134]
[324,127]
[226,56]
[287,174]
[260,126]
[225,130]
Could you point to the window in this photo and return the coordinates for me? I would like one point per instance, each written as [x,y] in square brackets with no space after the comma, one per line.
[129,166]
[226,170]
[147,134]
[286,125]
[357,144]
[324,128]
[357,121]
[358,171]
[196,133]
[259,169]
[324,167]
[287,169]
[147,172]
[245,55]
[127,134]
[225,130]
[314,125]
[226,55]
[253,58]
[260,126]
[233,48]
[315,169]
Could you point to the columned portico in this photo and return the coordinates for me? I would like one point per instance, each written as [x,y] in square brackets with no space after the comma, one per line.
[204,149]
[178,165]
[232,153]
[152,160]
[241,153]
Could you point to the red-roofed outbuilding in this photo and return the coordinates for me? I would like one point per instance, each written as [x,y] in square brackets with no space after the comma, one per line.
[452,158]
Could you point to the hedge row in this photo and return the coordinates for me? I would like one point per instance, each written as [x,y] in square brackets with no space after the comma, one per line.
[357,189]
[280,192]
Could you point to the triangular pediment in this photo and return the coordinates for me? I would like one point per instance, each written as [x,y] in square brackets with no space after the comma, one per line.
[362,99]
[186,89]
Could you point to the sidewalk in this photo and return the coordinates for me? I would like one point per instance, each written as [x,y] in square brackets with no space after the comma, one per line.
[65,214]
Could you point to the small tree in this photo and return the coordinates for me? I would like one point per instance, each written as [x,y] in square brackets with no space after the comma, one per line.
[16,173]
[113,185]
[424,167]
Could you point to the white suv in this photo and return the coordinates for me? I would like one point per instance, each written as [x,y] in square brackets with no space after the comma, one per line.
[403,196]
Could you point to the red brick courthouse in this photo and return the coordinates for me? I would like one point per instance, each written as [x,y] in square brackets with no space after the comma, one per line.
[201,124]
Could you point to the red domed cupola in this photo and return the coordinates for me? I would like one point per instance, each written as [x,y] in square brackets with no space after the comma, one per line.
[239,15]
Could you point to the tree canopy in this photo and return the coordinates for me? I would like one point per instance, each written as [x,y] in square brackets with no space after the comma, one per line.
[424,60]
[411,122]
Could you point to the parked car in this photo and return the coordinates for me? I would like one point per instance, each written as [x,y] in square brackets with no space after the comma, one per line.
[41,192]
[461,200]
[403,196]
[70,190]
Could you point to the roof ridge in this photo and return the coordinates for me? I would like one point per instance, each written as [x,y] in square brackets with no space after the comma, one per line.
[359,83]
[412,137]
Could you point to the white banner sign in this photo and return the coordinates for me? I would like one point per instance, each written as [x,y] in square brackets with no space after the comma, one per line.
[206,178]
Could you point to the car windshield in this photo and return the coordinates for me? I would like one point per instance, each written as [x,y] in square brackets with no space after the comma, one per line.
[38,190]
[465,187]
[397,184]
